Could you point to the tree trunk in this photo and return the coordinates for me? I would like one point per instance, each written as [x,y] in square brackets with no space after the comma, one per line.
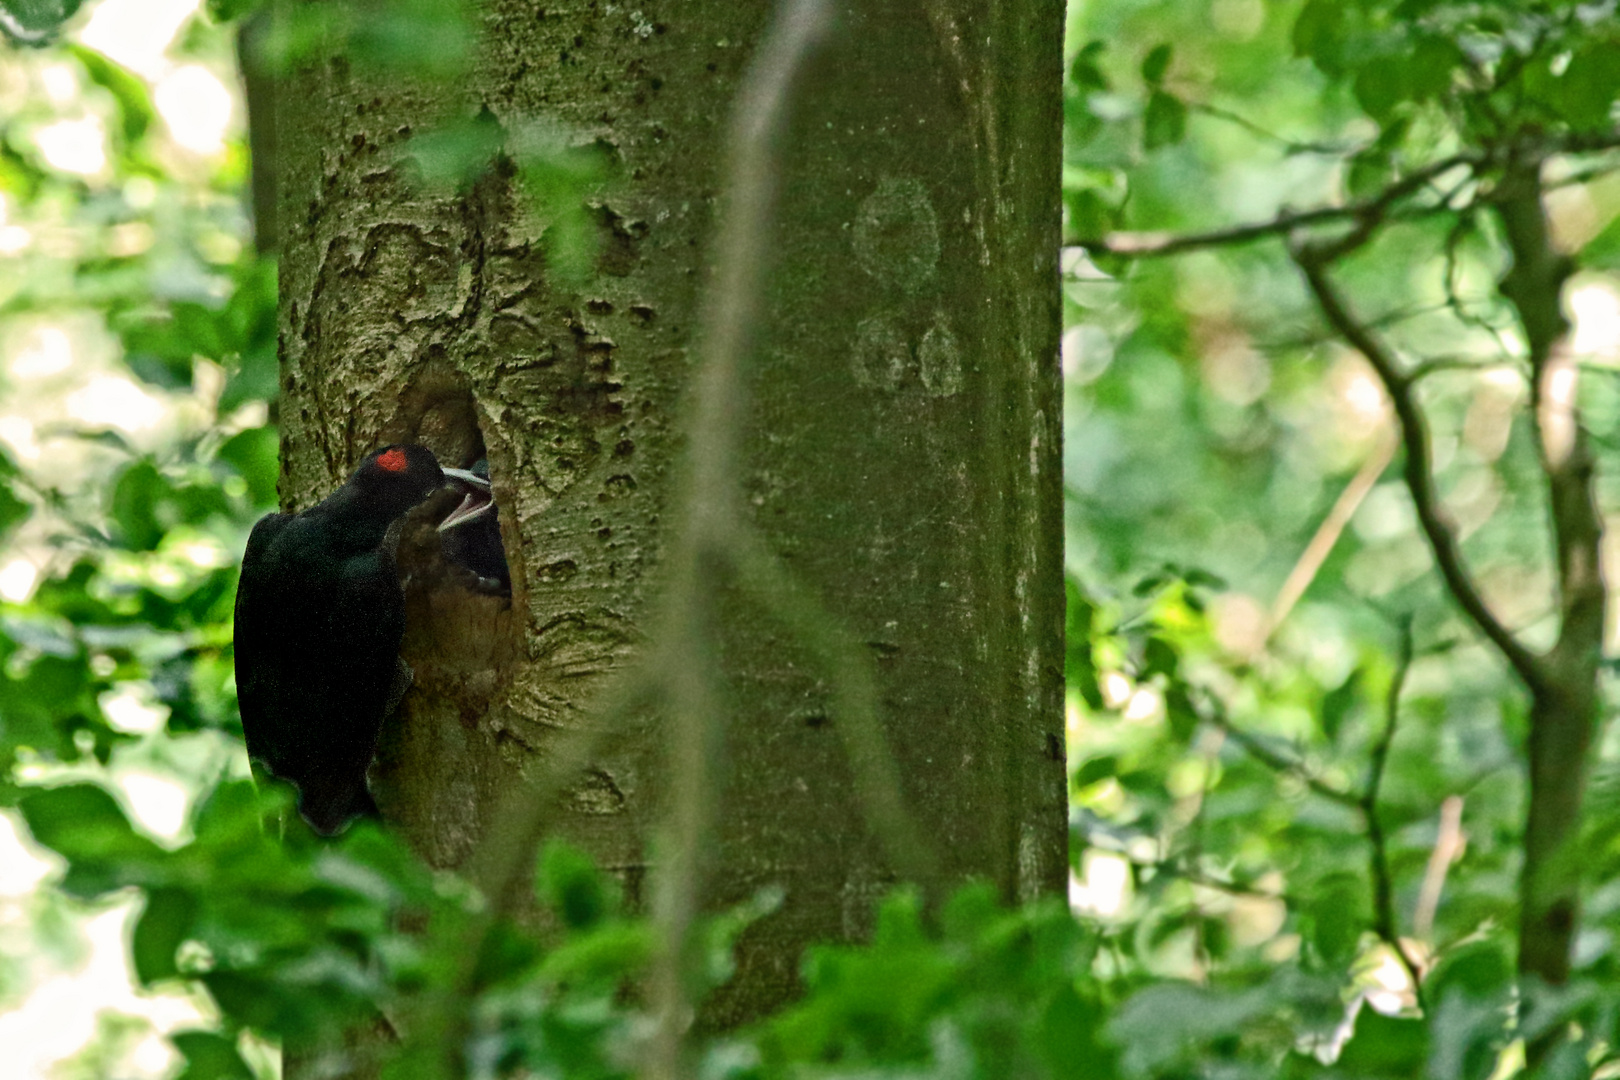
[902,438]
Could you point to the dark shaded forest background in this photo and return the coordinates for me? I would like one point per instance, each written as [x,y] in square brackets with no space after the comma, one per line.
[1341,358]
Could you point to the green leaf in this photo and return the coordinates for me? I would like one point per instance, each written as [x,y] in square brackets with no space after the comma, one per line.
[1091,217]
[1156,63]
[209,1056]
[32,21]
[134,101]
[1586,91]
[1370,172]
[1380,89]
[1429,68]
[255,455]
[1319,33]
[1180,712]
[1479,969]
[559,177]
[1337,703]
[1338,918]
[457,153]
[1080,665]
[226,10]
[1150,583]
[1071,1037]
[159,351]
[13,511]
[1084,70]
[82,822]
[1159,657]
[569,882]
[165,922]
[135,498]
[1602,252]
[1386,1046]
[1165,121]
[1095,770]
[247,325]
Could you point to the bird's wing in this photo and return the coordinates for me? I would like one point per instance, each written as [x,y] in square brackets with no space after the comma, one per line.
[256,623]
[368,617]
[361,620]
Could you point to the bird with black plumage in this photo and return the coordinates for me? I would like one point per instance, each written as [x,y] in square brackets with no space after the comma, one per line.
[319,619]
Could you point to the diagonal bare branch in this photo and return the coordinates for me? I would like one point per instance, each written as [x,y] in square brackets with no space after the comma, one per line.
[1366,212]
[1436,524]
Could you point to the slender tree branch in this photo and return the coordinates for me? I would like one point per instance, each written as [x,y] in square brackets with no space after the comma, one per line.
[1448,845]
[1432,517]
[1366,212]
[1435,365]
[1384,921]
[708,523]
[1291,146]
[1327,534]
[1282,763]
[1382,322]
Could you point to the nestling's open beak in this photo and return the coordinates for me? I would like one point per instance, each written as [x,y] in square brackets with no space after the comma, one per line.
[475,504]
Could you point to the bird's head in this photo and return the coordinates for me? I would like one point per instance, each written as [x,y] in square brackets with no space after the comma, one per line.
[392,480]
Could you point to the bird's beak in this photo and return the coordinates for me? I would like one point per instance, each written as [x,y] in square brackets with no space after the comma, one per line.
[475,504]
[471,479]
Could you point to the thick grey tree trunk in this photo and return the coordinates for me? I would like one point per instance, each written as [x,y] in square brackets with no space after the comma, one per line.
[902,442]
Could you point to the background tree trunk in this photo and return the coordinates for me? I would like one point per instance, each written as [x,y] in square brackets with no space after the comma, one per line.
[902,441]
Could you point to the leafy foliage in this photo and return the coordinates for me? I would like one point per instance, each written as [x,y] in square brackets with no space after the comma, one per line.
[1252,896]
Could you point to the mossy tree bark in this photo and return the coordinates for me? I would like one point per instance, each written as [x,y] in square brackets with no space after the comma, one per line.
[902,438]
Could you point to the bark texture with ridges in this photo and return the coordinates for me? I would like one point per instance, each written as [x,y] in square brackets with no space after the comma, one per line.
[901,444]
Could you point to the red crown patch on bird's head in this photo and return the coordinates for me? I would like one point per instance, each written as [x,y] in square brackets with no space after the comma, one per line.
[393,459]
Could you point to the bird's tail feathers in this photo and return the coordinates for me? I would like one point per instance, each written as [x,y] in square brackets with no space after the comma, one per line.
[330,807]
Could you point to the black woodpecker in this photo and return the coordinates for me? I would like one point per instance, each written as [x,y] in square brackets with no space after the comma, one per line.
[319,617]
[471,535]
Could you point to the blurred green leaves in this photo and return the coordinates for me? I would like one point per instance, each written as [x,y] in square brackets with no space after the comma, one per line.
[557,172]
[239,335]
[416,39]
[34,21]
[134,100]
[1219,730]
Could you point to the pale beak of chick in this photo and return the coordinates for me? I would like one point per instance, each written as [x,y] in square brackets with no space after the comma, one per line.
[475,504]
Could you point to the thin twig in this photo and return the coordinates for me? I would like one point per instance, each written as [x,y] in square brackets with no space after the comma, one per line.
[1290,146]
[1448,846]
[1327,534]
[1383,886]
[709,524]
[1435,365]
[1432,517]
[1381,322]
[1282,763]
